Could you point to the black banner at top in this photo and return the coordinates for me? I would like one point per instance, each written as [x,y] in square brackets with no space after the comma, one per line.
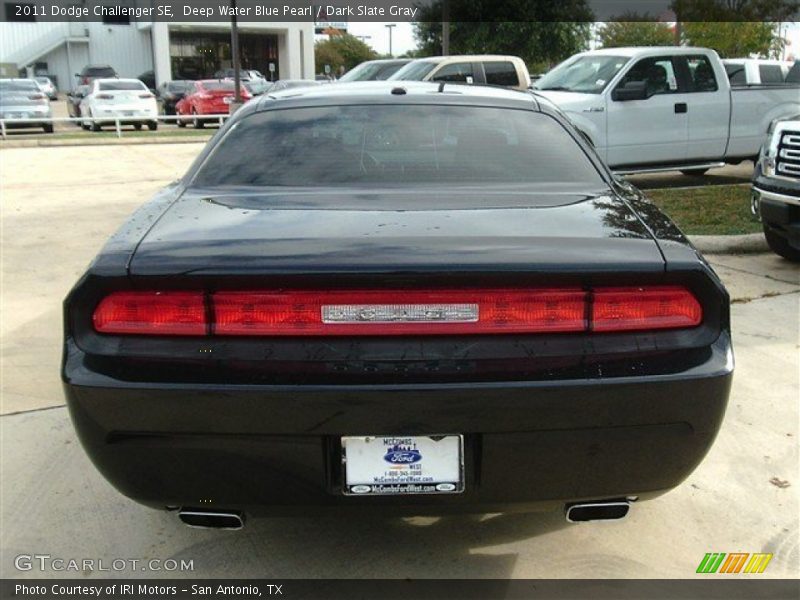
[332,12]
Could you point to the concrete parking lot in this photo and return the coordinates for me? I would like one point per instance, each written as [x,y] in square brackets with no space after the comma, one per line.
[60,204]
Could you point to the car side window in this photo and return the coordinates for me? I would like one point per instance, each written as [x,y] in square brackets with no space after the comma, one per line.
[658,73]
[770,74]
[501,73]
[455,72]
[736,74]
[701,73]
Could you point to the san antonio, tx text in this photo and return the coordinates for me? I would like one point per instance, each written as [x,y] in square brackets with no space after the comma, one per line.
[144,590]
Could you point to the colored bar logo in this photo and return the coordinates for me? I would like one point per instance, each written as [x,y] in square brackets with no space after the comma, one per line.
[734,562]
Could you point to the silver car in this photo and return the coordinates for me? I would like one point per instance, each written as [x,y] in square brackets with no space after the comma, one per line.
[48,87]
[22,103]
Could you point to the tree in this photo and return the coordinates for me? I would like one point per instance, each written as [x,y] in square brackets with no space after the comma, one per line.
[715,11]
[341,50]
[733,39]
[541,33]
[632,30]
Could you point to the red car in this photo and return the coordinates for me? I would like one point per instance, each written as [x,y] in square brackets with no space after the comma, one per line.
[207,97]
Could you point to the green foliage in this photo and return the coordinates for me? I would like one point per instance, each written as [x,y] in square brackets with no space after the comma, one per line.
[739,10]
[341,50]
[541,33]
[632,31]
[733,39]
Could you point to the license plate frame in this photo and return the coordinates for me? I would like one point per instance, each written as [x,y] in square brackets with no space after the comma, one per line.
[396,465]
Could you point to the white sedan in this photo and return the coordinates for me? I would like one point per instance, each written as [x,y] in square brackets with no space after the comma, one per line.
[128,100]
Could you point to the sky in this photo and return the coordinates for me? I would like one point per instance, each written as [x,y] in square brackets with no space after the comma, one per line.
[377,36]
[402,36]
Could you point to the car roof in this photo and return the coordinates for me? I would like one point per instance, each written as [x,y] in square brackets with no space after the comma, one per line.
[117,80]
[466,57]
[386,61]
[381,92]
[636,51]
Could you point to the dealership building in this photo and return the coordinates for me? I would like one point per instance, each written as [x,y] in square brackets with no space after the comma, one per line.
[190,50]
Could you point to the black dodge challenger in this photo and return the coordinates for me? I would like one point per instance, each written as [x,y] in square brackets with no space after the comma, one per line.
[413,300]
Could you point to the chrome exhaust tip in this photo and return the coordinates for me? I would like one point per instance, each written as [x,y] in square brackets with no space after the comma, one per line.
[211,519]
[597,511]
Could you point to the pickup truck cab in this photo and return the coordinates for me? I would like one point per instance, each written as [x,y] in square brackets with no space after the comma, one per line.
[659,109]
[776,188]
[756,71]
[483,69]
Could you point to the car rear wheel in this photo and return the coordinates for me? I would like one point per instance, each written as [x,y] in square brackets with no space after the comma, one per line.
[152,125]
[48,128]
[181,123]
[137,126]
[95,124]
[780,246]
[196,122]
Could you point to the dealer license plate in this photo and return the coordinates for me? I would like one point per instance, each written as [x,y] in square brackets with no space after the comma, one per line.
[391,465]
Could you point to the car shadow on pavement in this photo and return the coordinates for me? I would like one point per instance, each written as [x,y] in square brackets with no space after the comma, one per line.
[463,546]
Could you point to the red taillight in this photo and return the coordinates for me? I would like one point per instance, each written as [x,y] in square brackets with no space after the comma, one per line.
[398,312]
[402,312]
[157,313]
[631,309]
[105,96]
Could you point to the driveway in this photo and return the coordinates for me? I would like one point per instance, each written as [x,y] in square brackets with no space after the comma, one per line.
[742,498]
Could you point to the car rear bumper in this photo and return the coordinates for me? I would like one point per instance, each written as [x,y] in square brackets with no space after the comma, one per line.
[125,112]
[276,449]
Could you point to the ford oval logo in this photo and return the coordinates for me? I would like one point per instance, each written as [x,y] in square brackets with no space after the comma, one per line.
[402,455]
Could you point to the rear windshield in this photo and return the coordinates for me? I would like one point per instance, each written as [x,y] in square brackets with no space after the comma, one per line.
[405,144]
[98,72]
[218,86]
[25,85]
[118,86]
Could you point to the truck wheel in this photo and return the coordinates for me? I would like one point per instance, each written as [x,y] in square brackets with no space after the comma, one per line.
[137,126]
[780,246]
[694,172]
[152,125]
[48,128]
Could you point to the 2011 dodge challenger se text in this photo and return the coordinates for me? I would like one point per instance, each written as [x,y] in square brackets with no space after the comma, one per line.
[412,299]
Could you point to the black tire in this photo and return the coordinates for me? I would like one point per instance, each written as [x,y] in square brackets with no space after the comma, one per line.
[694,172]
[780,246]
[96,126]
[198,123]
[137,126]
[181,123]
[152,125]
[48,128]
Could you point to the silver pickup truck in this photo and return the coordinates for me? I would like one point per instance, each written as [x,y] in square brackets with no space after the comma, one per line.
[671,108]
[776,188]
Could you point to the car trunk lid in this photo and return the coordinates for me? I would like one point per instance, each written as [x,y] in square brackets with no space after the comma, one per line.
[239,232]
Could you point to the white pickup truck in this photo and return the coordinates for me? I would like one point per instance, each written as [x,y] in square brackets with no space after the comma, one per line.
[663,109]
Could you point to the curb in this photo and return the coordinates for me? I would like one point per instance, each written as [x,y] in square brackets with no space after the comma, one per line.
[54,143]
[750,243]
